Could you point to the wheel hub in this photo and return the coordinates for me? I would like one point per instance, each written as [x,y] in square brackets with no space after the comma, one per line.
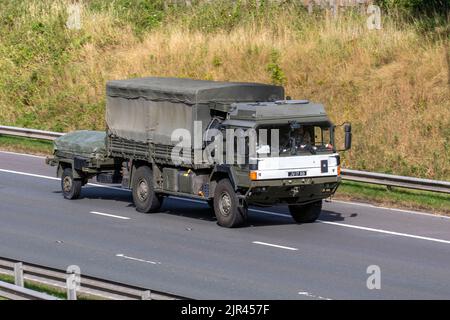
[67,184]
[225,204]
[142,191]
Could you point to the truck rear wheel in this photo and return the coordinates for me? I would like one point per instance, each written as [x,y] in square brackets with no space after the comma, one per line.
[306,213]
[71,188]
[144,196]
[226,206]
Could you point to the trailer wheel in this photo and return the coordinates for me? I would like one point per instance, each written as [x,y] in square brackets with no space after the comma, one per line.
[226,206]
[70,187]
[144,196]
[306,213]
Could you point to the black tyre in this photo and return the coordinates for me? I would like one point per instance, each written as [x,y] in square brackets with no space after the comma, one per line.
[226,206]
[306,213]
[144,196]
[70,187]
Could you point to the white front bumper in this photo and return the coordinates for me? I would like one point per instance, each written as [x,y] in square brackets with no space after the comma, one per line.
[289,167]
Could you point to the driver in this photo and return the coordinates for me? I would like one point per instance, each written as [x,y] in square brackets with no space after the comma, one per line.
[303,136]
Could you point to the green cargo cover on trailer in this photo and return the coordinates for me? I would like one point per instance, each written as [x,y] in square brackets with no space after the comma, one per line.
[85,143]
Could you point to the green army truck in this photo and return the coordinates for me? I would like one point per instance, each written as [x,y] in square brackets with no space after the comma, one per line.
[228,143]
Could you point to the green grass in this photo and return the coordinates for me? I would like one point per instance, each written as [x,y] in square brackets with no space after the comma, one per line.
[391,84]
[33,146]
[395,197]
[53,291]
[59,293]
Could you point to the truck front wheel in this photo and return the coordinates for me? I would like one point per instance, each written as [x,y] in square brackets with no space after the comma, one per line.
[71,188]
[306,213]
[226,206]
[144,196]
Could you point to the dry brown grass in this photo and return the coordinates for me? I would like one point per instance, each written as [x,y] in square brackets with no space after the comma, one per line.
[391,84]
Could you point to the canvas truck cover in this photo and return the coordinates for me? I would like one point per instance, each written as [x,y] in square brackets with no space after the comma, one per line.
[150,109]
[85,143]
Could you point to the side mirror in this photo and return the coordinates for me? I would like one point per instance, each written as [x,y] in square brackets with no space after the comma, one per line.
[348,136]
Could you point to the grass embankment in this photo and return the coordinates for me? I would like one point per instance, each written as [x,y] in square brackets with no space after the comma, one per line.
[32,146]
[392,84]
[59,293]
[395,197]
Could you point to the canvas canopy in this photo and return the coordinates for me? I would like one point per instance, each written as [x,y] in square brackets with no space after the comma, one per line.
[85,142]
[151,109]
[190,91]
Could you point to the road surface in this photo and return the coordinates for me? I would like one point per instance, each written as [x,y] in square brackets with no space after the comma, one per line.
[182,250]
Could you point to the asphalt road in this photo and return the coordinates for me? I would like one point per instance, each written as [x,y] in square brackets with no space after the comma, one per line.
[183,251]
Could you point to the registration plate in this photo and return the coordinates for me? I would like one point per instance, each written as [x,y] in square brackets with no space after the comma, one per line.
[296,173]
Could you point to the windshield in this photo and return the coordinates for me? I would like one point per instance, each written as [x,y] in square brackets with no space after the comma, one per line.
[296,138]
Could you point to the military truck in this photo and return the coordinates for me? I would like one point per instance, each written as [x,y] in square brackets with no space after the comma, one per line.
[158,143]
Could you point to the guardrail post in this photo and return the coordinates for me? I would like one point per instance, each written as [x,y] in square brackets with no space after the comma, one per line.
[71,289]
[73,282]
[146,295]
[18,274]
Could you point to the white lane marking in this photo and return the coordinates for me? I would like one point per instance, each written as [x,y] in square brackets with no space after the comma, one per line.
[23,154]
[109,215]
[121,255]
[364,228]
[338,201]
[54,178]
[261,211]
[307,294]
[201,201]
[29,174]
[361,204]
[274,245]
[384,231]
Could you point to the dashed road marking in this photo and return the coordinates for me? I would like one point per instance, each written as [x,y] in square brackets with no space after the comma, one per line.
[275,245]
[307,294]
[55,178]
[121,255]
[109,215]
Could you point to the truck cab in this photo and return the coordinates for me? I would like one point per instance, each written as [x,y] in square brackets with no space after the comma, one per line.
[295,160]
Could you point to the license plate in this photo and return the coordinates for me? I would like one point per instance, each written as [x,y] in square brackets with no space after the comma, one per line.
[296,173]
